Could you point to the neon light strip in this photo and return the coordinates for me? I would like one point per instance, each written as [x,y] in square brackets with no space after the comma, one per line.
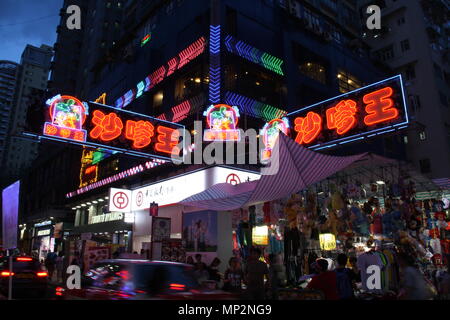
[254,55]
[145,39]
[122,175]
[176,63]
[254,108]
[184,109]
[214,69]
[360,138]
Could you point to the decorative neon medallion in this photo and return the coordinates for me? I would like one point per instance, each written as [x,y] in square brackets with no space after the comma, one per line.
[270,134]
[222,120]
[67,116]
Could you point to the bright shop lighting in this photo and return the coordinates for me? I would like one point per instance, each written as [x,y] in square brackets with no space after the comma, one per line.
[380,182]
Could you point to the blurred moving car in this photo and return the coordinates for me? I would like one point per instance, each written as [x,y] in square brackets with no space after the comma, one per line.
[126,279]
[28,277]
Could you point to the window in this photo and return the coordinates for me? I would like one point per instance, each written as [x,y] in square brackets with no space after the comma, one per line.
[314,71]
[347,82]
[405,45]
[410,72]
[437,70]
[158,98]
[443,98]
[422,135]
[425,166]
[401,21]
[414,102]
[405,139]
[386,53]
[189,85]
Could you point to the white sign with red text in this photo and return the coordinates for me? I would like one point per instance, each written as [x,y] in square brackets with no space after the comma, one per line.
[119,200]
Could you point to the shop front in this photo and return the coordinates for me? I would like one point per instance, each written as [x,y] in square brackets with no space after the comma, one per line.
[43,240]
[190,230]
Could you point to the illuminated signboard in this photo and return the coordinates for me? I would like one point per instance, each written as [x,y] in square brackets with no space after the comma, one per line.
[270,134]
[366,112]
[67,116]
[96,125]
[327,241]
[222,120]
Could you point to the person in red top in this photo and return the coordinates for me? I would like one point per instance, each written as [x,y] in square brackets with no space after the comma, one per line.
[325,281]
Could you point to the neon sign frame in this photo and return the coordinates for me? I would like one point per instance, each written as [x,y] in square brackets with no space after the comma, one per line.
[381,129]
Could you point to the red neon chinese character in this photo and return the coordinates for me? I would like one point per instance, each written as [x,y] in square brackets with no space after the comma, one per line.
[380,106]
[65,133]
[308,128]
[342,116]
[78,136]
[141,132]
[51,130]
[107,127]
[167,140]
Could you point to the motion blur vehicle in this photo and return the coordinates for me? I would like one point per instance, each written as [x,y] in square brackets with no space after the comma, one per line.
[125,279]
[28,277]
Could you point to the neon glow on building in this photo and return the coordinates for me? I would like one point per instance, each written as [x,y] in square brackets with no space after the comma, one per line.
[254,55]
[176,63]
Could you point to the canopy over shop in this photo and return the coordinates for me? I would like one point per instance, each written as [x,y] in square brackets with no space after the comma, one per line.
[308,204]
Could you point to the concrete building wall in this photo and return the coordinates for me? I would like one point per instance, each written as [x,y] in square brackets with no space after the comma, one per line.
[425,67]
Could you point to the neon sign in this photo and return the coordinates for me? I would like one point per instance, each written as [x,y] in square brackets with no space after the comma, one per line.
[270,134]
[222,120]
[67,116]
[96,125]
[176,63]
[146,39]
[372,110]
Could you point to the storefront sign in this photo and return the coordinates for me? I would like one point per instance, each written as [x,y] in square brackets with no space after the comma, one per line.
[96,125]
[112,216]
[222,121]
[119,200]
[366,112]
[260,236]
[327,241]
[270,134]
[42,233]
[176,189]
[42,224]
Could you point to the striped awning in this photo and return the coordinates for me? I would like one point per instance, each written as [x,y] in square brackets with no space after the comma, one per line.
[292,169]
[443,183]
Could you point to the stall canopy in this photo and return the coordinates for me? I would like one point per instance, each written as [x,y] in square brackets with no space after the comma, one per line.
[292,169]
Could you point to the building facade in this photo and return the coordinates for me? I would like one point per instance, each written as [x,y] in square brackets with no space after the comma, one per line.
[414,42]
[31,82]
[8,77]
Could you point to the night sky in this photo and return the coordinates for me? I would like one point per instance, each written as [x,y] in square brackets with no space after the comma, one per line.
[25,22]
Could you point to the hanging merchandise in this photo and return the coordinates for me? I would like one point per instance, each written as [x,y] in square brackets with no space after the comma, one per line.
[327,241]
[259,214]
[260,235]
[267,209]
[336,201]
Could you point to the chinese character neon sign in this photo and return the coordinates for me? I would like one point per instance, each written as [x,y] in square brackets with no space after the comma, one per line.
[270,134]
[96,125]
[368,111]
[67,116]
[222,121]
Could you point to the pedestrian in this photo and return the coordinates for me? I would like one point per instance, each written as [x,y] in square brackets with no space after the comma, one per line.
[233,277]
[50,264]
[59,267]
[256,270]
[352,261]
[199,262]
[190,260]
[345,278]
[413,285]
[274,276]
[201,273]
[325,281]
[214,270]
